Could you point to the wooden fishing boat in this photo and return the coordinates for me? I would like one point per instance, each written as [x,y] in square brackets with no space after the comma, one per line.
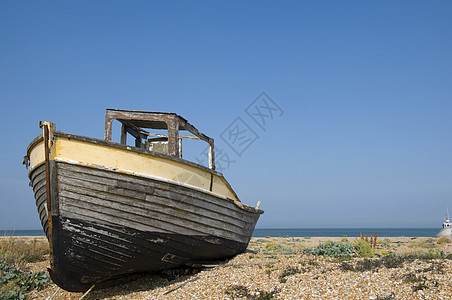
[111,209]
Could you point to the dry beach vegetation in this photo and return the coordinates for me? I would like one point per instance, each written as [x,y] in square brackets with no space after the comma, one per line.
[275,268]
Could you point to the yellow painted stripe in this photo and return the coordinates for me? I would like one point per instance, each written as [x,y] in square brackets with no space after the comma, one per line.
[131,162]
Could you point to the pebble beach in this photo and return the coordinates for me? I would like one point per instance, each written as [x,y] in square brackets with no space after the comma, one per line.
[281,268]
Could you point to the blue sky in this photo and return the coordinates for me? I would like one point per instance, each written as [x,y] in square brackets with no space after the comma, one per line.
[364,139]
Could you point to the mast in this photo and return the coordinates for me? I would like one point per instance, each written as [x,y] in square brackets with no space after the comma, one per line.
[447,215]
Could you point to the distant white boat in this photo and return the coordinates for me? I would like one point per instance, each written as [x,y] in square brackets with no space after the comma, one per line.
[447,227]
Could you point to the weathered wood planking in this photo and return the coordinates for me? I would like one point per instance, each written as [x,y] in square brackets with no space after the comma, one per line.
[38,181]
[110,224]
[182,211]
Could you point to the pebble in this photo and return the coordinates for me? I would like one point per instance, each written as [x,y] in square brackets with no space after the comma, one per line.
[317,277]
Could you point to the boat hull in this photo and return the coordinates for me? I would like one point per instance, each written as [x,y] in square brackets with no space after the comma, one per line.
[445,232]
[105,224]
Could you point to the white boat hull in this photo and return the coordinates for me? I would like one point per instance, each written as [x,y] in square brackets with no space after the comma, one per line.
[444,232]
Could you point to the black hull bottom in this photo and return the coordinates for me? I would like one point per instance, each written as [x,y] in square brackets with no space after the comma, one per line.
[89,253]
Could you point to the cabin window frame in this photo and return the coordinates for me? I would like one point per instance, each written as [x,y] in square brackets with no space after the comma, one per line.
[154,120]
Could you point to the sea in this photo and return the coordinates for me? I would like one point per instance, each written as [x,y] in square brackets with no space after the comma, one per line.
[298,232]
[344,232]
[32,232]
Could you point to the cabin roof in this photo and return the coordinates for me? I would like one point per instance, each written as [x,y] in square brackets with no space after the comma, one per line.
[148,119]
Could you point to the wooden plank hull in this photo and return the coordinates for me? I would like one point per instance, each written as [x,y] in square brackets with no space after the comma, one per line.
[106,224]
